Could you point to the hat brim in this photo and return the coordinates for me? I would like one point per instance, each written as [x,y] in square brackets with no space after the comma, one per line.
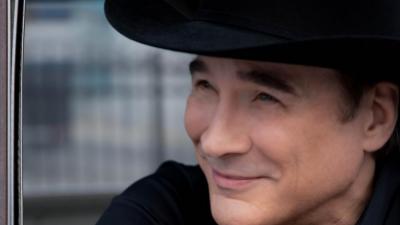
[156,23]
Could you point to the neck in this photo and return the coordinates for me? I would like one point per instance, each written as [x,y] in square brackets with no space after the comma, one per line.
[348,207]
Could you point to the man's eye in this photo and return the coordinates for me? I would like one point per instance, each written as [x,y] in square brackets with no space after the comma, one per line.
[265,97]
[203,84]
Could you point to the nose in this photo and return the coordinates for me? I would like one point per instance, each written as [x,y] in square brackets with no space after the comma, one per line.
[225,135]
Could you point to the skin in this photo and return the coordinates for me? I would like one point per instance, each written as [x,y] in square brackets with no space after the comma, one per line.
[275,151]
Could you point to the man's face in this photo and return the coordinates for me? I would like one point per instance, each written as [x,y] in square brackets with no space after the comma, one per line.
[271,140]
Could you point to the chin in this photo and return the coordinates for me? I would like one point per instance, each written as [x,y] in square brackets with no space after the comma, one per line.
[229,211]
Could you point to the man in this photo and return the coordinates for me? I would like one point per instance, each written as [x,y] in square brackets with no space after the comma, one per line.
[292,113]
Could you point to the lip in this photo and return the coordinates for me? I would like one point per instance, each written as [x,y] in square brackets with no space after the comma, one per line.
[232,182]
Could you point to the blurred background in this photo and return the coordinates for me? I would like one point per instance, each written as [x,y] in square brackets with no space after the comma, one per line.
[99,111]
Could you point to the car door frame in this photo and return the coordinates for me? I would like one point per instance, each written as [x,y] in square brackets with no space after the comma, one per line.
[11,52]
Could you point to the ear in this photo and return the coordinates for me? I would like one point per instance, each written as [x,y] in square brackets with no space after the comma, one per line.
[382,106]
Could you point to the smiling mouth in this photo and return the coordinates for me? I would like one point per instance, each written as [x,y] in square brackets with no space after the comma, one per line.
[232,182]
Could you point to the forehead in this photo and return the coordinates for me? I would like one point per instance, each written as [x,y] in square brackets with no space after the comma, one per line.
[302,79]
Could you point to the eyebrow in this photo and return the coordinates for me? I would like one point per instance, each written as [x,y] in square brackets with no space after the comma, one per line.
[198,66]
[257,76]
[264,78]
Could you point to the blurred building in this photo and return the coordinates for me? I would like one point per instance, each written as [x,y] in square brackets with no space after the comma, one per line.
[99,111]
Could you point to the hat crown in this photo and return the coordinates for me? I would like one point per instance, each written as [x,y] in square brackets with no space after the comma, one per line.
[351,35]
[306,18]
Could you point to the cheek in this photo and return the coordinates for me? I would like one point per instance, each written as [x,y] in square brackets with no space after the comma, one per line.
[275,138]
[315,163]
[198,116]
[308,145]
[313,154]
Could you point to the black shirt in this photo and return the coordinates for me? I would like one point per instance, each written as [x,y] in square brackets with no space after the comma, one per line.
[384,205]
[177,194]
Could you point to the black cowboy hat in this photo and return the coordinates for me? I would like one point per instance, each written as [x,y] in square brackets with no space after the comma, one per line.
[353,35]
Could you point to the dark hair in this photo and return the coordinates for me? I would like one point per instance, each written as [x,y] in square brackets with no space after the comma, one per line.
[354,88]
